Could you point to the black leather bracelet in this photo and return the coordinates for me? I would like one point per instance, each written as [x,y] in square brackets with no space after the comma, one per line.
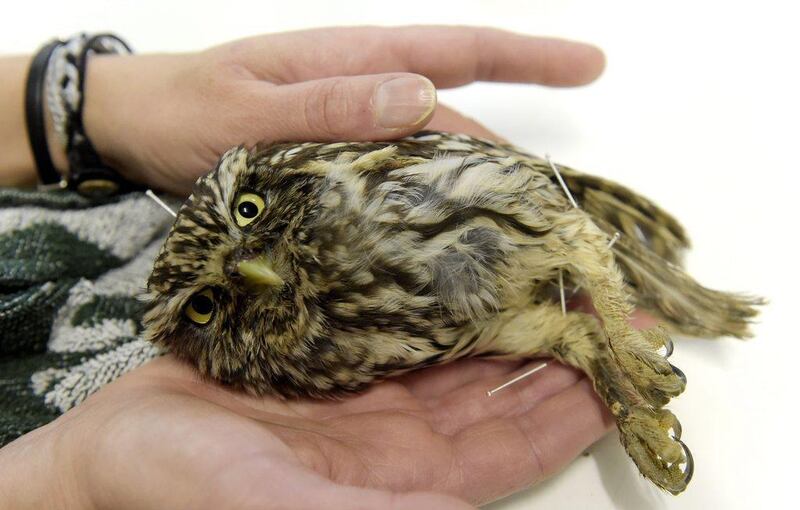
[34,114]
[88,174]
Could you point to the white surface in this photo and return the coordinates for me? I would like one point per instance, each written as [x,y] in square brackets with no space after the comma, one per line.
[698,109]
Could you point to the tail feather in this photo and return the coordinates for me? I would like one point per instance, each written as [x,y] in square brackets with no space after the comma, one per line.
[686,306]
[649,252]
[630,214]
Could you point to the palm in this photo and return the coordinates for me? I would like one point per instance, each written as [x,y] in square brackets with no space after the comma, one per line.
[431,430]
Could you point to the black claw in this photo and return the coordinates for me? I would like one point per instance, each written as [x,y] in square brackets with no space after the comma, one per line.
[677,430]
[677,371]
[669,346]
[689,471]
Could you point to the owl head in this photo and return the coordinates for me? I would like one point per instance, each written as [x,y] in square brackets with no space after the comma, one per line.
[230,289]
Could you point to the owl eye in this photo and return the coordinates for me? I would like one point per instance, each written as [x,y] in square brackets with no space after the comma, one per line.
[200,307]
[248,207]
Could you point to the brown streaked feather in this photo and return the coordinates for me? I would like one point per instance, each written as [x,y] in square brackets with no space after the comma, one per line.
[389,256]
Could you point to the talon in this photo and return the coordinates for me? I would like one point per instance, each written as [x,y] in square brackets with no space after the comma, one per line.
[670,421]
[668,348]
[677,371]
[677,430]
[688,471]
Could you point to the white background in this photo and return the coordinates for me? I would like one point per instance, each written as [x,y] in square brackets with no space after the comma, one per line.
[698,109]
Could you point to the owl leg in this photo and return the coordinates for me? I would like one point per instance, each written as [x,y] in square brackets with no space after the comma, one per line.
[586,256]
[650,434]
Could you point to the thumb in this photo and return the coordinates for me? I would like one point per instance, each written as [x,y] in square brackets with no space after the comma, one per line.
[370,107]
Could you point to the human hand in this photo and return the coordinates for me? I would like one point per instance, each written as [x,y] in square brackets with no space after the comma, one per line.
[165,119]
[159,437]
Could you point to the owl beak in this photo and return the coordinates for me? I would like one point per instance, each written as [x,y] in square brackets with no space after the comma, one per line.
[258,272]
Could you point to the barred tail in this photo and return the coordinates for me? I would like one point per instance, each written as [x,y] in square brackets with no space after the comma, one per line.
[672,295]
[649,252]
[629,213]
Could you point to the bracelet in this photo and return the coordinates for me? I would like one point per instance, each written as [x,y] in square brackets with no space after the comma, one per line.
[65,97]
[34,114]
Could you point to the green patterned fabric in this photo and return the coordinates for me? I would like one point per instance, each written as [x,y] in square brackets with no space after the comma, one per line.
[70,273]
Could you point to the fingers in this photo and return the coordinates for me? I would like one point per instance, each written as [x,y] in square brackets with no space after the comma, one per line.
[450,56]
[371,107]
[500,456]
[468,405]
[369,83]
[360,108]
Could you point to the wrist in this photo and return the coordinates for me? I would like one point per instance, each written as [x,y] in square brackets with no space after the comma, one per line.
[102,111]
[17,166]
[130,100]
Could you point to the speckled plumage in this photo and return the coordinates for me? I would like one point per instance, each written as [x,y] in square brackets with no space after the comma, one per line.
[385,257]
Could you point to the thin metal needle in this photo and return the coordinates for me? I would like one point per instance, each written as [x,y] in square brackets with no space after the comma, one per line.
[516,379]
[575,205]
[561,181]
[561,291]
[160,202]
[614,239]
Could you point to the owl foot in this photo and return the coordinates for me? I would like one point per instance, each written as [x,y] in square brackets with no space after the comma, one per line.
[655,378]
[629,372]
[636,381]
[652,439]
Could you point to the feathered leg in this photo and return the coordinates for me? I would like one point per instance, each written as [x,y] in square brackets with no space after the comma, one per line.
[650,435]
[585,254]
[634,380]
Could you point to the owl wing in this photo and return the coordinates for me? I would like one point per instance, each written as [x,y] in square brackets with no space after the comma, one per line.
[612,205]
[649,251]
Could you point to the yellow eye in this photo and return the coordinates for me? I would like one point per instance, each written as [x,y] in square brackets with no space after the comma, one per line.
[248,207]
[200,307]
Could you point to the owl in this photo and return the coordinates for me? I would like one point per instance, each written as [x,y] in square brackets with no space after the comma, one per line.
[314,269]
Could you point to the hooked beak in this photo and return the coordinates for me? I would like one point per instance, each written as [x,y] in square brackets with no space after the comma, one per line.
[258,272]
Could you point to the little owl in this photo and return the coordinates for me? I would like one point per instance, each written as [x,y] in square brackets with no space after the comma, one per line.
[314,269]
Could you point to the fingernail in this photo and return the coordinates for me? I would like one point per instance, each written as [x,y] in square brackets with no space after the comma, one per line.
[403,102]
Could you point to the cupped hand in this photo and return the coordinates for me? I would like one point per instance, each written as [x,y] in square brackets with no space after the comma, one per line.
[159,437]
[165,119]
